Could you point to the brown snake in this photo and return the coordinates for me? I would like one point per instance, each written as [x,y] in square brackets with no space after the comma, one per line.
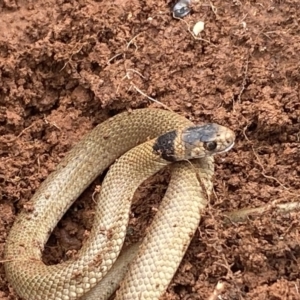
[169,235]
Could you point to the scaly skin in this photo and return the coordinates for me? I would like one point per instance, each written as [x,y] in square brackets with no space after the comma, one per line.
[108,141]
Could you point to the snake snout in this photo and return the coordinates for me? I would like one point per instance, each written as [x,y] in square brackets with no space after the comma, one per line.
[226,139]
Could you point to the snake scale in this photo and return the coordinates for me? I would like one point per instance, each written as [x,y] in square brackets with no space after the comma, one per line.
[140,143]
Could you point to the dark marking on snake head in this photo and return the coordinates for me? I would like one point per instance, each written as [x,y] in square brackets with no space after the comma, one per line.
[165,146]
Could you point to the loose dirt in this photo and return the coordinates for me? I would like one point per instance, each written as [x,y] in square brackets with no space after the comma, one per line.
[66,66]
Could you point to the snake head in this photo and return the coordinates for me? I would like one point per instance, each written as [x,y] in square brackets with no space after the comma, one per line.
[208,139]
[194,142]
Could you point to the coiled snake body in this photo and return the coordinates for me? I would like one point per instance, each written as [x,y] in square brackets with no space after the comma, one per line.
[172,228]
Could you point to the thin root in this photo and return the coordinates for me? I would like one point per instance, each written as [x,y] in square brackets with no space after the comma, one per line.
[150,98]
[243,214]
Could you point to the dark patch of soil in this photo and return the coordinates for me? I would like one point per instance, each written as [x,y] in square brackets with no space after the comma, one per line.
[66,66]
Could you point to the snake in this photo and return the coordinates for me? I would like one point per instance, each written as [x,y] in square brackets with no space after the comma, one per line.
[134,145]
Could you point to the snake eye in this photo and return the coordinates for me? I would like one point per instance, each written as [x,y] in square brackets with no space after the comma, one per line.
[210,146]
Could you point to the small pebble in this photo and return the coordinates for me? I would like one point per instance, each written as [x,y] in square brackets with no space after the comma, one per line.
[198,27]
[181,8]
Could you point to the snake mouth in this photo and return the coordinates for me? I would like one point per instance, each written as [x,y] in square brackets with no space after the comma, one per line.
[227,149]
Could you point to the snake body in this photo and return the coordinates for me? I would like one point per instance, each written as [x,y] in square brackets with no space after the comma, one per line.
[32,279]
